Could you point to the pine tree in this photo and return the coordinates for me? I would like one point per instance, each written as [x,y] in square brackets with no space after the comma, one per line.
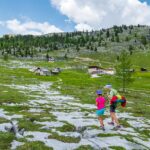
[66,57]
[123,66]
[99,43]
[127,39]
[77,48]
[112,38]
[47,56]
[117,39]
[143,40]
[131,49]
[88,47]
[95,49]
[107,34]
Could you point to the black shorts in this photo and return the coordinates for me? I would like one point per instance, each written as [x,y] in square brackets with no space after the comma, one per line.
[113,108]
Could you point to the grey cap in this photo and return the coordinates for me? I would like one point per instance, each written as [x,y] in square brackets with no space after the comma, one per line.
[108,86]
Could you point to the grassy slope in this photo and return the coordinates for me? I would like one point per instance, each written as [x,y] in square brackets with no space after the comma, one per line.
[75,82]
[78,83]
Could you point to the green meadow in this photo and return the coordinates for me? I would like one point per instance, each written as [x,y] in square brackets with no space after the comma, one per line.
[74,81]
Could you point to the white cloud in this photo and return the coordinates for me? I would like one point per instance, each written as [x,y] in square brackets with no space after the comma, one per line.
[101,14]
[29,27]
[83,27]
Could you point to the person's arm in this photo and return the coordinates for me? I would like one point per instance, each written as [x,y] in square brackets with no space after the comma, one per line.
[96,102]
[111,94]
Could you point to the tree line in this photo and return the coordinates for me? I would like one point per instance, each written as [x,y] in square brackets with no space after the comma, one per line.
[31,46]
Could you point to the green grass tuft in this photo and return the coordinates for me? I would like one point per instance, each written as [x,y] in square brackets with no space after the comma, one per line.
[34,146]
[5,140]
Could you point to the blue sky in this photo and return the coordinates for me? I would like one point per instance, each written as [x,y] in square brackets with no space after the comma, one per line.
[30,16]
[36,10]
[148,1]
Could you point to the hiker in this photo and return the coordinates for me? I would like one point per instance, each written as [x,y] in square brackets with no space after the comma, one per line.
[114,97]
[100,103]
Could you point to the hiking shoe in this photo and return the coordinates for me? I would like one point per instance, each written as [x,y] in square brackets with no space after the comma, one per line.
[103,128]
[118,127]
[111,123]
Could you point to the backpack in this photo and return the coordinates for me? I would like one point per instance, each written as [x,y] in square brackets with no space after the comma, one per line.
[124,101]
[116,100]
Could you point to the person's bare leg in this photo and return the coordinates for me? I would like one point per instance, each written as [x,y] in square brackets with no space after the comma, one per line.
[112,116]
[101,121]
[115,119]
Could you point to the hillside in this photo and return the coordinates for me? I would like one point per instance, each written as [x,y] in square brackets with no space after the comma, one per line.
[131,38]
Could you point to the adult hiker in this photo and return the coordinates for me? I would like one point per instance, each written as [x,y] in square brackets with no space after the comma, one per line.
[113,96]
[100,103]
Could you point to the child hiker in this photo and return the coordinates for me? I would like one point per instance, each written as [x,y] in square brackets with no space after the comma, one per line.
[114,98]
[100,103]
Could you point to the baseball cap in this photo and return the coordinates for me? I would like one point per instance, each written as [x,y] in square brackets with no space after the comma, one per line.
[108,86]
[99,92]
